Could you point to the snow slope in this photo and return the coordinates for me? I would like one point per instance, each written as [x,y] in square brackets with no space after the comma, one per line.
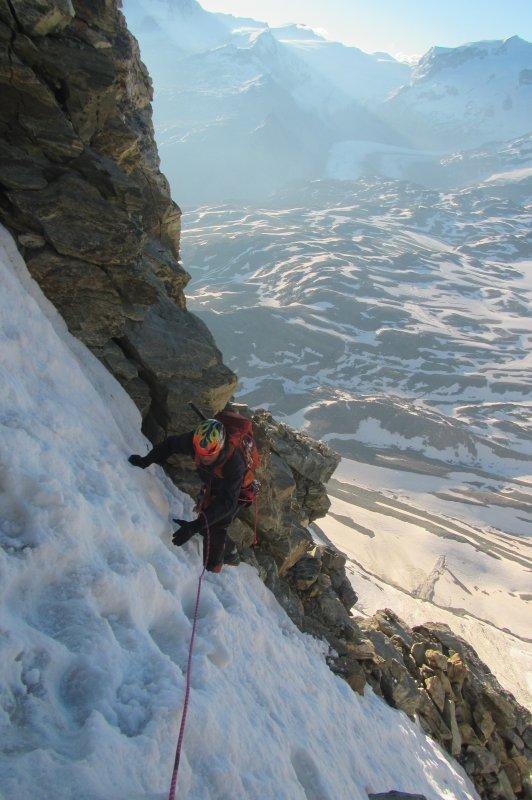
[96,610]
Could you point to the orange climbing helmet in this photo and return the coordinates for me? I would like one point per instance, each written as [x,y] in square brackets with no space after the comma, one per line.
[209,439]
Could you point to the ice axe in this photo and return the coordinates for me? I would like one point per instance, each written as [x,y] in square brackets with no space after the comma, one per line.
[196,410]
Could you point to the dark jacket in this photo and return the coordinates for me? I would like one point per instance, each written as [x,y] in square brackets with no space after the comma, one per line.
[223,492]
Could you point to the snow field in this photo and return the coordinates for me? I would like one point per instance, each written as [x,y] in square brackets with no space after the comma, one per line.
[482,590]
[96,613]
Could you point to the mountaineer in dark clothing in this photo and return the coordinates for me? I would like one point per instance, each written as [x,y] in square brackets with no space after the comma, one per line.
[222,466]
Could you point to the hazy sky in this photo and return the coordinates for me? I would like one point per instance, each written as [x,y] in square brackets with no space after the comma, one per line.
[397,26]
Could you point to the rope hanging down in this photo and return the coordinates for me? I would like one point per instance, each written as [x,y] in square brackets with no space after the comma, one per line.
[177,759]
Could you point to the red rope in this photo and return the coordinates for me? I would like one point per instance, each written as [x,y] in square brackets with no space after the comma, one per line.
[256,519]
[177,759]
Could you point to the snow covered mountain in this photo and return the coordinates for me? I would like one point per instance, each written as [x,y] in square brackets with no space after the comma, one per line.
[96,617]
[365,77]
[183,24]
[466,96]
[242,109]
[394,323]
[229,120]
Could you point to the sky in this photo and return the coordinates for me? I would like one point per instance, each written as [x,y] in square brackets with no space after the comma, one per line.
[407,27]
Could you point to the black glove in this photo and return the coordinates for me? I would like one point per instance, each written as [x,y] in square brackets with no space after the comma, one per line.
[138,461]
[186,531]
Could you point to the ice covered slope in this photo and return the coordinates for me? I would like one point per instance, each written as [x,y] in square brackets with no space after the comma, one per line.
[466,96]
[95,615]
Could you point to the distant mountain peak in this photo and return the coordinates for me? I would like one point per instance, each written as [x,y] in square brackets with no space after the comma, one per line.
[264,40]
[295,31]
[382,55]
[184,7]
[516,40]
[440,58]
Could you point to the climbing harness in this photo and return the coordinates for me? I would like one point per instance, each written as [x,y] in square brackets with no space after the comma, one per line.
[177,759]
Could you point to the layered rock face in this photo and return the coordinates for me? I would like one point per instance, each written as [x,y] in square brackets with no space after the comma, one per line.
[82,192]
[294,468]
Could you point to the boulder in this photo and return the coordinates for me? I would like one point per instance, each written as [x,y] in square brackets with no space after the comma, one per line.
[311,459]
[418,651]
[399,688]
[436,692]
[389,623]
[305,572]
[241,533]
[41,17]
[282,479]
[436,660]
[346,593]
[356,678]
[327,609]
[431,720]
[289,546]
[468,735]
[363,651]
[449,716]
[333,563]
[484,723]
[456,670]
[503,787]
[286,597]
[479,761]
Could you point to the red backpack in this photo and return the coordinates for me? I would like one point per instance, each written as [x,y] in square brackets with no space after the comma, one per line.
[239,431]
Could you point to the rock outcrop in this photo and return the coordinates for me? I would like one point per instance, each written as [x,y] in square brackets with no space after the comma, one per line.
[82,192]
[436,677]
[293,472]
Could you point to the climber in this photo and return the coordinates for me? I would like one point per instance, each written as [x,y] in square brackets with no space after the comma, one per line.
[222,469]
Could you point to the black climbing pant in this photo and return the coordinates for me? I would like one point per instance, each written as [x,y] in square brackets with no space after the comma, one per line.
[217,541]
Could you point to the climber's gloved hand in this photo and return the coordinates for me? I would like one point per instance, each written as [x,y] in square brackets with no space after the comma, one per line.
[192,526]
[138,461]
[186,530]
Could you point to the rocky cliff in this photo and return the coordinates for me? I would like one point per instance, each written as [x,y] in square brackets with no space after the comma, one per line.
[82,192]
